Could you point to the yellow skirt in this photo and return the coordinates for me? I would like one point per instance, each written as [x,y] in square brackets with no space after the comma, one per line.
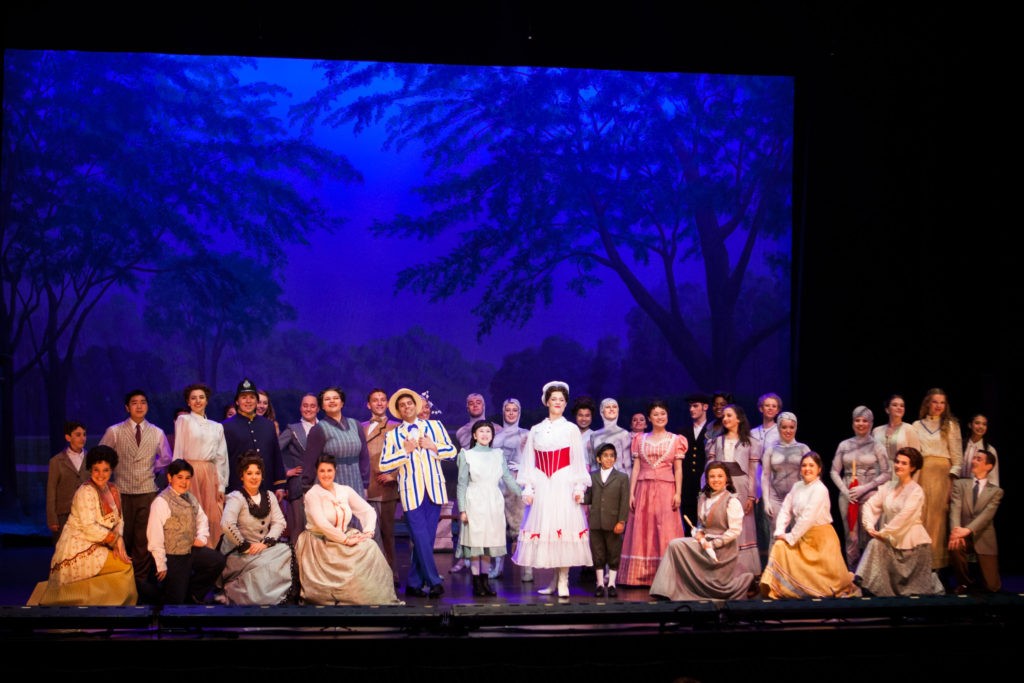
[114,586]
[813,568]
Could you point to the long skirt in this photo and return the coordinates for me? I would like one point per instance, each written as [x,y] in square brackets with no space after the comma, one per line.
[750,559]
[813,568]
[687,572]
[554,531]
[204,488]
[650,528]
[266,578]
[114,586]
[934,479]
[888,572]
[331,573]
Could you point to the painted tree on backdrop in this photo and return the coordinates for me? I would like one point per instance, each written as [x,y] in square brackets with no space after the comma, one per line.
[522,372]
[210,303]
[556,176]
[113,162]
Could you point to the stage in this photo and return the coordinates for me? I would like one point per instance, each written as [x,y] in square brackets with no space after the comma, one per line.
[520,635]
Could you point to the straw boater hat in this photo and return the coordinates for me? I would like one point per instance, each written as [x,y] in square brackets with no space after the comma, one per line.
[393,401]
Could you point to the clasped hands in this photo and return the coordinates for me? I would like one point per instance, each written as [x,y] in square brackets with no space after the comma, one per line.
[958,538]
[411,444]
[357,538]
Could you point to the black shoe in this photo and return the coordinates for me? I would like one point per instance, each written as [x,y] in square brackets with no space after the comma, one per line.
[612,593]
[488,588]
[478,586]
[600,592]
[435,591]
[413,592]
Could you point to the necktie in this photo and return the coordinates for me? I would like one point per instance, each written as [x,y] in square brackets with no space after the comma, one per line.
[974,499]
[138,439]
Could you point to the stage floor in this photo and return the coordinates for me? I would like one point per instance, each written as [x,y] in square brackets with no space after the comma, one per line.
[515,636]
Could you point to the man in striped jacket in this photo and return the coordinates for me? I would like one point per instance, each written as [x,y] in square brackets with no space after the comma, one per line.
[415,449]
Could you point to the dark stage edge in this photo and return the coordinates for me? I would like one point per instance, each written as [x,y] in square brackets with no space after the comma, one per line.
[797,640]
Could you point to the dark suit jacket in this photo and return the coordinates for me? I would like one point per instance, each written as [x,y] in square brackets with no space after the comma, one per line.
[608,501]
[293,447]
[693,469]
[61,483]
[976,517]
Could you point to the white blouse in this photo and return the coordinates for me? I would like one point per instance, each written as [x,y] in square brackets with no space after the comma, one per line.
[199,438]
[329,512]
[808,505]
[901,510]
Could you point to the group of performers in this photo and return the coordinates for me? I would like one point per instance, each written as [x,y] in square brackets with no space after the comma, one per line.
[246,513]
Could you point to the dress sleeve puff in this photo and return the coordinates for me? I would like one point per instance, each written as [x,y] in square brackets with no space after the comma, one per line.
[679,447]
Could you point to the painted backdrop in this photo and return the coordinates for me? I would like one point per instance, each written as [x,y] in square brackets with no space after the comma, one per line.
[169,219]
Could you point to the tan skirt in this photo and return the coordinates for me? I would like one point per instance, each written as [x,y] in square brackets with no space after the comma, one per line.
[332,573]
[813,568]
[114,586]
[934,479]
[204,488]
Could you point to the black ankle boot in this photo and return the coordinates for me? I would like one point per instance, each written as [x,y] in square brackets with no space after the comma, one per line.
[478,585]
[486,584]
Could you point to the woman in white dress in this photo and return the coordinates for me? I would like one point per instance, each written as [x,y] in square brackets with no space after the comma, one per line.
[482,504]
[554,477]
[259,569]
[200,441]
[896,433]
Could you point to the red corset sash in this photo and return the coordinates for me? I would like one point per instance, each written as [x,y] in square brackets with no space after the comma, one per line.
[550,462]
